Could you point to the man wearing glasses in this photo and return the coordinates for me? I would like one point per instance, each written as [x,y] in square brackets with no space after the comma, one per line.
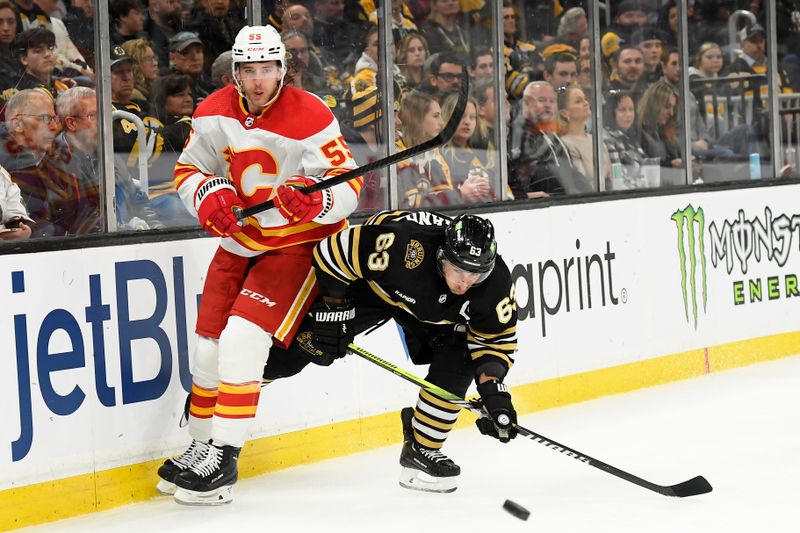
[77,111]
[36,165]
[444,74]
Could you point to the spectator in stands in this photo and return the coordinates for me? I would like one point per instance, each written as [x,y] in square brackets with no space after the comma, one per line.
[77,109]
[186,56]
[715,17]
[419,10]
[173,103]
[79,22]
[29,15]
[443,31]
[629,15]
[308,74]
[700,126]
[128,17]
[487,110]
[29,153]
[585,76]
[539,161]
[574,113]
[221,70]
[752,59]
[297,17]
[125,132]
[217,25]
[708,61]
[332,33]
[668,23]
[572,28]
[444,71]
[367,65]
[145,68]
[411,56]
[69,60]
[655,115]
[362,133]
[628,70]
[402,20]
[471,160]
[36,52]
[561,70]
[10,68]
[650,41]
[523,61]
[163,21]
[15,224]
[621,137]
[424,181]
[481,64]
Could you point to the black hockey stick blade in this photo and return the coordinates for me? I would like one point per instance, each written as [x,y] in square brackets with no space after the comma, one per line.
[445,135]
[696,485]
[692,487]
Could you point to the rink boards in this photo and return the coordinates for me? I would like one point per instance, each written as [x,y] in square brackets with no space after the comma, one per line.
[612,296]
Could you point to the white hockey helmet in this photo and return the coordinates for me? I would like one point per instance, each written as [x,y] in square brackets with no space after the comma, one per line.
[258,43]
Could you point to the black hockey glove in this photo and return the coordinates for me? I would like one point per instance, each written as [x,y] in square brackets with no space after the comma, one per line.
[501,413]
[333,326]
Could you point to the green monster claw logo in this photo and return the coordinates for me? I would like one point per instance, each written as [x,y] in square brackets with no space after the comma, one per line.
[691,224]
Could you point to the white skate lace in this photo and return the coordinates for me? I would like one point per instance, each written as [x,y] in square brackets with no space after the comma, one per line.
[191,455]
[210,461]
[434,455]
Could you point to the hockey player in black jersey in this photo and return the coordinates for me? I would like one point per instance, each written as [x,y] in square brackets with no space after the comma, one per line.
[452,297]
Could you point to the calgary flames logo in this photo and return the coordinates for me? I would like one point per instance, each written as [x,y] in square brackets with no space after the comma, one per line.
[252,169]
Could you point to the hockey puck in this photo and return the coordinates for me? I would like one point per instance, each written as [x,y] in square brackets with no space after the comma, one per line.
[516,510]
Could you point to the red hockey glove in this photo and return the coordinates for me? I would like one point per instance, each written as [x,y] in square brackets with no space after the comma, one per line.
[296,206]
[214,201]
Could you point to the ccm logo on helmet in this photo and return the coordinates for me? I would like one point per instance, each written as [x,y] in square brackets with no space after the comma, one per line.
[258,297]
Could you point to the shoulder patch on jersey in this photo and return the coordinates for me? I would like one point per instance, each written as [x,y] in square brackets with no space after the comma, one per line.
[415,253]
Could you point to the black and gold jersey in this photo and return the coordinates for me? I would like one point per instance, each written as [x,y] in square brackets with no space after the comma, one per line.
[394,255]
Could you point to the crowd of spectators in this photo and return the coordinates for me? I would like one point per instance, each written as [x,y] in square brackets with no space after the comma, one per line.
[168,55]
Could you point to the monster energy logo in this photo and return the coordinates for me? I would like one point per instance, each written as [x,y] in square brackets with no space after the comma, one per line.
[690,224]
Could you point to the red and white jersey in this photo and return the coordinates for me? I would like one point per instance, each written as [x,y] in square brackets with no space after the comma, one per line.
[296,135]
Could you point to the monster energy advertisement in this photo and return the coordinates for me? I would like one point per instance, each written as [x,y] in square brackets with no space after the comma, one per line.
[735,245]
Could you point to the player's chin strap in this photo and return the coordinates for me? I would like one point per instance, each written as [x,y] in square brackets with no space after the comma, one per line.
[692,487]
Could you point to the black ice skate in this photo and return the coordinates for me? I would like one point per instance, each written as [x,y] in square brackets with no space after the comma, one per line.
[424,469]
[210,480]
[175,465]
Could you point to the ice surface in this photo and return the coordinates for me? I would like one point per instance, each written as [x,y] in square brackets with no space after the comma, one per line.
[740,429]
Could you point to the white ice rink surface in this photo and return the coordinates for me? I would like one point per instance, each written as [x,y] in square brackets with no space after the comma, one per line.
[740,429]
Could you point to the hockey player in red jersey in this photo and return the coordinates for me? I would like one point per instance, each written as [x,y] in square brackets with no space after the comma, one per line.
[250,142]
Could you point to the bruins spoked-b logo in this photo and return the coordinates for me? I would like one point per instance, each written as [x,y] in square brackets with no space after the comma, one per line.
[414,254]
[690,224]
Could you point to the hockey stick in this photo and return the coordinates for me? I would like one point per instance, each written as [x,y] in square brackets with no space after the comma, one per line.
[692,487]
[443,136]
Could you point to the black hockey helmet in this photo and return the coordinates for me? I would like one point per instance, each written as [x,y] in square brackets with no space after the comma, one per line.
[469,244]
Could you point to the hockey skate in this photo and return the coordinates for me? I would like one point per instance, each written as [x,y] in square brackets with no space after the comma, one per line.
[210,480]
[175,465]
[424,469]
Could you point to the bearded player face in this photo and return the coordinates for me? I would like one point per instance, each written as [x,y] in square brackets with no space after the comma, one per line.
[259,82]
